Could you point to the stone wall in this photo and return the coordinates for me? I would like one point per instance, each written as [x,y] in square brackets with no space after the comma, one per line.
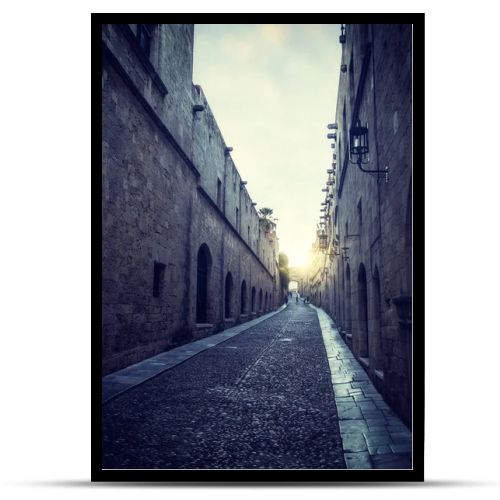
[368,287]
[160,164]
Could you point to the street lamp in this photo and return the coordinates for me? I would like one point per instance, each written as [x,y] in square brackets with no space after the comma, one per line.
[359,148]
[358,138]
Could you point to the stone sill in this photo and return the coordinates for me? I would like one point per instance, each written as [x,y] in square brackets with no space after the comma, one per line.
[365,361]
[379,374]
[348,335]
[201,326]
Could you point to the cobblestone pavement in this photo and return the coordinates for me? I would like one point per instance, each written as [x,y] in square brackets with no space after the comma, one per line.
[372,435]
[260,400]
[123,380]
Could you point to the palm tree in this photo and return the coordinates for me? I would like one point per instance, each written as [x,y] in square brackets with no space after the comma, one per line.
[265,213]
[266,218]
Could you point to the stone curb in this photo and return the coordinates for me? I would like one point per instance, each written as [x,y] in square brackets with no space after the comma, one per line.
[125,379]
[373,437]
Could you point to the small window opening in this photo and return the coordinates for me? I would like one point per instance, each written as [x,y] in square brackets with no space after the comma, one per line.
[144,35]
[219,193]
[158,278]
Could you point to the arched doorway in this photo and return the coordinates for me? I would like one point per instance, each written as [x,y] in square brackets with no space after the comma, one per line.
[334,298]
[362,330]
[408,242]
[265,302]
[376,323]
[228,295]
[243,309]
[347,298]
[204,263]
[253,298]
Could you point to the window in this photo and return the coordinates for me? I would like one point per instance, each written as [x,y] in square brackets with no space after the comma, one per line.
[158,278]
[144,35]
[219,193]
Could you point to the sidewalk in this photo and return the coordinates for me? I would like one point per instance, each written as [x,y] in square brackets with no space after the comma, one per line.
[373,436]
[118,382]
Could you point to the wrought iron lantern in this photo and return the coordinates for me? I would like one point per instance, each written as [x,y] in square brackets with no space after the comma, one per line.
[358,139]
[342,34]
[345,257]
[359,148]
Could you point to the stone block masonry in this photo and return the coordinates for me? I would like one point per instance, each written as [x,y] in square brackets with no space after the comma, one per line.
[183,253]
[368,287]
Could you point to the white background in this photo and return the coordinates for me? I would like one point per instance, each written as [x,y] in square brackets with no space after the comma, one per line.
[45,261]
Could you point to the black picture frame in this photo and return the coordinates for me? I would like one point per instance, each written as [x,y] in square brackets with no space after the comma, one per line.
[259,476]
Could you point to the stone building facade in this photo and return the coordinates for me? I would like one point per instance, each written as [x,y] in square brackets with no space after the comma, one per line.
[362,267]
[184,252]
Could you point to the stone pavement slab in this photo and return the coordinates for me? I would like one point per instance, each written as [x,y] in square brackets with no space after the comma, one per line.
[373,436]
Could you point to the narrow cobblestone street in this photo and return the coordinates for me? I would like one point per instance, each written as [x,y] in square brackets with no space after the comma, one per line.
[262,399]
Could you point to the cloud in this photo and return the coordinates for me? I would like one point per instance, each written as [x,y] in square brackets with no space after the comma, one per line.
[277,34]
[272,89]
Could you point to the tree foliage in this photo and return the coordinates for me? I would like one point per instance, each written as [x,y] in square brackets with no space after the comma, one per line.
[284,270]
[266,218]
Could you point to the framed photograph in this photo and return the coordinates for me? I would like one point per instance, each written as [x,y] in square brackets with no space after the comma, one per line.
[259,303]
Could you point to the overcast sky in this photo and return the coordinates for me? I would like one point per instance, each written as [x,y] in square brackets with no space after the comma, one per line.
[273,90]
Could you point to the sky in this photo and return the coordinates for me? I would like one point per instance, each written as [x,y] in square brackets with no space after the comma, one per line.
[273,90]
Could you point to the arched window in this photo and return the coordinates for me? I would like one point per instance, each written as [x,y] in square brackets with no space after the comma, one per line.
[362,330]
[260,300]
[243,297]
[265,302]
[253,298]
[204,264]
[228,295]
